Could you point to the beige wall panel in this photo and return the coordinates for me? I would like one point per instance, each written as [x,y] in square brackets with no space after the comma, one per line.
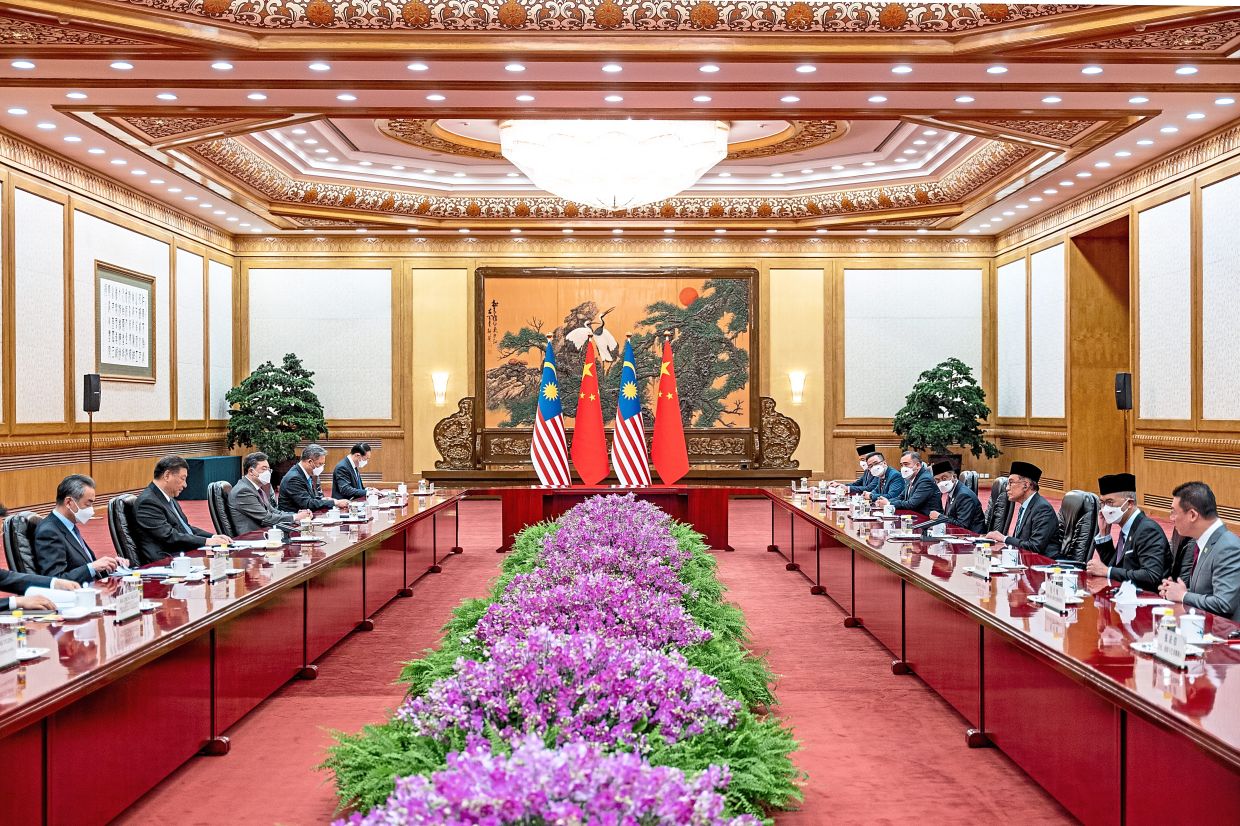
[189,333]
[442,328]
[1220,292]
[1164,271]
[38,308]
[220,331]
[797,336]
[1047,342]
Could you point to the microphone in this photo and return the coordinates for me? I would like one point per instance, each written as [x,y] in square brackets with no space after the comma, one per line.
[925,526]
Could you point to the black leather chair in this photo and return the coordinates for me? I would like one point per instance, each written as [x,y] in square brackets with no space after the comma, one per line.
[19,541]
[969,478]
[123,525]
[217,504]
[999,507]
[1078,519]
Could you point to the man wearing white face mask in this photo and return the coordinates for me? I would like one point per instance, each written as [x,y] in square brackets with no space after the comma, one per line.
[959,504]
[888,481]
[866,481]
[920,492]
[59,548]
[252,507]
[300,486]
[347,477]
[1141,552]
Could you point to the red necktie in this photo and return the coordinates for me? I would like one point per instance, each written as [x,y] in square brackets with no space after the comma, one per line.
[945,503]
[1016,518]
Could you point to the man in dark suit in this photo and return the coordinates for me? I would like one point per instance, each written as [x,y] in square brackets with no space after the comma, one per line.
[888,480]
[958,503]
[300,487]
[252,506]
[60,550]
[347,477]
[1141,552]
[162,526]
[13,582]
[920,492]
[1037,526]
[1215,583]
[865,481]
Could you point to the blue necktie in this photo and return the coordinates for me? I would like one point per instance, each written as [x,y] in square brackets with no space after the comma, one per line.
[180,518]
[89,553]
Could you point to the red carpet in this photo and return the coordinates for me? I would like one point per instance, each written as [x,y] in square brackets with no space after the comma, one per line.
[878,748]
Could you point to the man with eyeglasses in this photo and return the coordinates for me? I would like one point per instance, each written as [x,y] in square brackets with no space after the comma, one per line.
[1037,526]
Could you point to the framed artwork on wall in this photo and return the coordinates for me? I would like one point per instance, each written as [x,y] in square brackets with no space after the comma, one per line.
[124,324]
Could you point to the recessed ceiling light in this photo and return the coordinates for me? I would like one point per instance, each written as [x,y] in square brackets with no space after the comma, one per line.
[725,174]
[221,66]
[1139,99]
[397,168]
[72,139]
[1009,213]
[1195,115]
[1224,101]
[22,64]
[1037,199]
[1186,70]
[435,98]
[919,142]
[871,230]
[612,68]
[971,232]
[807,172]
[514,231]
[525,98]
[867,163]
[514,175]
[1050,192]
[930,133]
[217,212]
[777,174]
[701,99]
[310,142]
[922,230]
[417,67]
[231,218]
[721,232]
[166,96]
[996,70]
[995,219]
[514,67]
[243,224]
[346,97]
[463,230]
[365,163]
[1067,183]
[837,167]
[910,151]
[617,231]
[1123,153]
[821,231]
[614,99]
[360,229]
[1102,165]
[669,231]
[1166,130]
[17,110]
[789,99]
[1145,142]
[319,67]
[709,68]
[877,99]
[1091,70]
[965,99]
[75,95]
[458,174]
[807,69]
[322,150]
[1052,99]
[771,231]
[330,158]
[567,231]
[1022,206]
[901,69]
[195,198]
[428,171]
[204,205]
[122,65]
[46,125]
[157,181]
[256,96]
[903,160]
[94,150]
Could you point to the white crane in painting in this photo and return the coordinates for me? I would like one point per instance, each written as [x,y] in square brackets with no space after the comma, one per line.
[604,341]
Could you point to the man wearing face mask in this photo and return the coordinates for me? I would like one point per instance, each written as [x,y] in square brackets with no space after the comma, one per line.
[162,527]
[59,548]
[1037,525]
[249,501]
[920,493]
[300,486]
[1141,552]
[887,480]
[347,477]
[866,481]
[958,503]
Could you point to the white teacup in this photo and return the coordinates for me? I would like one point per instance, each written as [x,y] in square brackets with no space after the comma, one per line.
[86,598]
[402,489]
[181,564]
[1011,557]
[275,535]
[889,509]
[1192,626]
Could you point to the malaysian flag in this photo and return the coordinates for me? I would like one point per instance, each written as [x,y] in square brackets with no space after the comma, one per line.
[628,442]
[549,447]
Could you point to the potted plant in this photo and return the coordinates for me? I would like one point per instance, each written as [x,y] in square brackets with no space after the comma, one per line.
[945,408]
[273,409]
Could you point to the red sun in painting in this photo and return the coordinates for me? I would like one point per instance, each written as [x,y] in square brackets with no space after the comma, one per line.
[688,295]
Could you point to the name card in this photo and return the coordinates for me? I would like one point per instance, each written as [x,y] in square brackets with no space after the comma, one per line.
[1056,596]
[981,563]
[220,566]
[128,636]
[128,604]
[1171,647]
[8,646]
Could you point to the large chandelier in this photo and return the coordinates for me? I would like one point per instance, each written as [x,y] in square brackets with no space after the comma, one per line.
[614,164]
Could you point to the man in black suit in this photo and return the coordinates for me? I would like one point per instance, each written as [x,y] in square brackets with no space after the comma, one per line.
[959,504]
[920,492]
[60,550]
[1037,525]
[347,477]
[300,489]
[1141,552]
[866,481]
[14,583]
[162,526]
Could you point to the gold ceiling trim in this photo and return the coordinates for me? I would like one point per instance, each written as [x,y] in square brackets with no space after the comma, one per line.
[429,135]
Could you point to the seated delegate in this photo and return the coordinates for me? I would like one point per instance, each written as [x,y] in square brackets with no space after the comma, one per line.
[162,527]
[60,550]
[347,477]
[957,503]
[1037,526]
[300,487]
[252,506]
[919,493]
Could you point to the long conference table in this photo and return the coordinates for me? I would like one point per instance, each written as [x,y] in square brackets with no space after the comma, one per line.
[1115,736]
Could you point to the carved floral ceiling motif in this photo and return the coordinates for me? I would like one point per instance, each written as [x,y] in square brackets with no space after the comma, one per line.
[612,15]
[1062,130]
[15,32]
[161,127]
[1214,36]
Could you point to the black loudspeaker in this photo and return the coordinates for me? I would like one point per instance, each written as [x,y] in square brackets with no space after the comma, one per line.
[1123,391]
[90,393]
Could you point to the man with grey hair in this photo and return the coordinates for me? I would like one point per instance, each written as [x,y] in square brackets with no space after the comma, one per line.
[252,507]
[60,550]
[300,487]
[920,491]
[1140,553]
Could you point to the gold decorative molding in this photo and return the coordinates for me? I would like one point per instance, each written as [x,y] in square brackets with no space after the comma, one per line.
[1216,36]
[15,32]
[1020,433]
[114,443]
[402,245]
[1159,172]
[1208,443]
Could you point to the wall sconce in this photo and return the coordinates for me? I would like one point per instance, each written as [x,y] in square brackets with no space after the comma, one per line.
[440,381]
[797,379]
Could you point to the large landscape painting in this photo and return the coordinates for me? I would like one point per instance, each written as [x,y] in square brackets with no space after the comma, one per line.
[708,312]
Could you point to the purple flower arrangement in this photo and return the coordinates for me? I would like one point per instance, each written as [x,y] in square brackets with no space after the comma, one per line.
[575,783]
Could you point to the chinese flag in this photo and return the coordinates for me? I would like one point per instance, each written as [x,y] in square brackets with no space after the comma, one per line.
[668,452]
[589,441]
